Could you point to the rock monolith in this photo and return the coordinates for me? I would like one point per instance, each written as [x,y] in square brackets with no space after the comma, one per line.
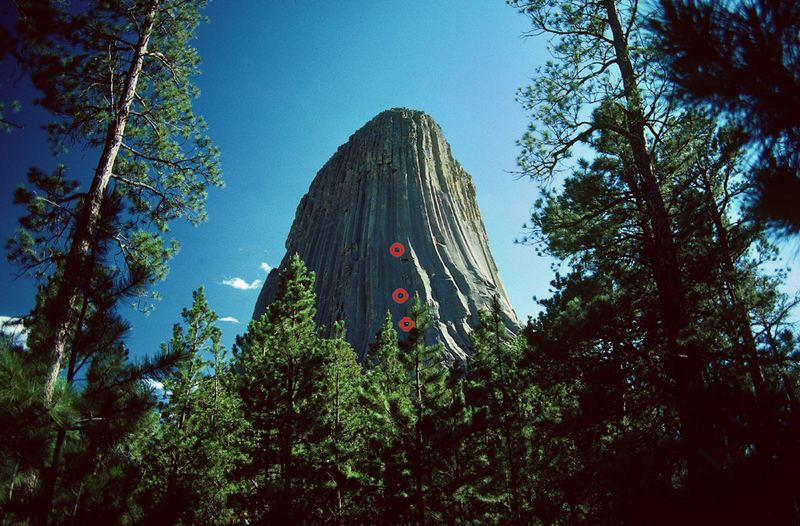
[395,181]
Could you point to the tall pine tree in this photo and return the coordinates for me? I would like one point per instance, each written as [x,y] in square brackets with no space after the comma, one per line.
[297,391]
[496,396]
[600,337]
[187,457]
[117,79]
[427,374]
[601,55]
[387,414]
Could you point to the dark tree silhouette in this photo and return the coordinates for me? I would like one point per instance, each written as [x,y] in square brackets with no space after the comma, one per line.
[743,58]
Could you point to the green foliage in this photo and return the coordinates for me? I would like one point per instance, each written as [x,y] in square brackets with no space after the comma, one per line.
[116,79]
[297,391]
[24,444]
[583,72]
[82,62]
[339,452]
[187,457]
[599,340]
[414,420]
[387,414]
[651,329]
[743,58]
[423,366]
[496,395]
[73,455]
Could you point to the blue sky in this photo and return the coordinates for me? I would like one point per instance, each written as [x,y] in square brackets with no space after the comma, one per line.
[283,85]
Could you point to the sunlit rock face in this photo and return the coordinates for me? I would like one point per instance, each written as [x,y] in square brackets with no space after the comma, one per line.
[395,181]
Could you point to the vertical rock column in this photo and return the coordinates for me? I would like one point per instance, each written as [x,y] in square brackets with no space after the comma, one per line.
[395,181]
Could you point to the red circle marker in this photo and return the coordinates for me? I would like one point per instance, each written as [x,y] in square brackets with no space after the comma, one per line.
[397,250]
[400,295]
[406,324]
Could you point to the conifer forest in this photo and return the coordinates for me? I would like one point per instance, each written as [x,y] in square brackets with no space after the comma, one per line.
[659,384]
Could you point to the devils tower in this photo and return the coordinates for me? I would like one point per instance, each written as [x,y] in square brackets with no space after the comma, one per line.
[394,181]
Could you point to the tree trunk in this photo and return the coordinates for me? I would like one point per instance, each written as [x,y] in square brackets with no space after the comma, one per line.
[734,293]
[457,468]
[50,474]
[686,365]
[286,503]
[86,224]
[512,465]
[419,498]
[337,460]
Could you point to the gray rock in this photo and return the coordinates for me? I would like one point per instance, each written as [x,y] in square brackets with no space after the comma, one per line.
[394,181]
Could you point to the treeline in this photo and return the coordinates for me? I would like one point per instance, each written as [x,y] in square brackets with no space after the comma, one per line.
[290,429]
[573,421]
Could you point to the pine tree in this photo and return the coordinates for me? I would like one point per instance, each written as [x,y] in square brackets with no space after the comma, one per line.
[116,78]
[25,441]
[742,58]
[496,398]
[599,339]
[387,415]
[423,364]
[454,481]
[187,455]
[80,442]
[285,398]
[603,60]
[338,443]
[410,405]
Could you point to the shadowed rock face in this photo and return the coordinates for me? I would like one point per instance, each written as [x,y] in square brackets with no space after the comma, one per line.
[394,181]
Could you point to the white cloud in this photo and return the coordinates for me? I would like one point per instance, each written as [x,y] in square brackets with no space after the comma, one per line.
[158,388]
[229,319]
[155,384]
[239,283]
[14,328]
[7,323]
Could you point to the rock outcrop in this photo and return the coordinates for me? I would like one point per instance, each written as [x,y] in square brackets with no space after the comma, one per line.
[394,181]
